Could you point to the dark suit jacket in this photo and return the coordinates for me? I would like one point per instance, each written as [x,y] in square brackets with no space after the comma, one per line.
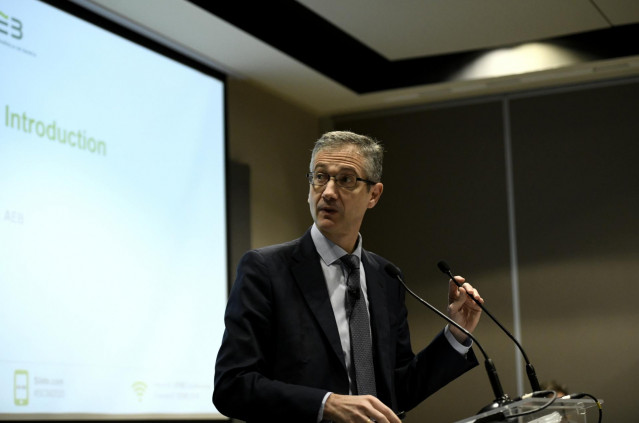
[281,351]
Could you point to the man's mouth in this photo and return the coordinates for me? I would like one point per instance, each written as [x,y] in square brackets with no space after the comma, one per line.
[327,210]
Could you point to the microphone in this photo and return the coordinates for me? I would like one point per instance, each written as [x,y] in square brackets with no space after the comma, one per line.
[500,397]
[530,370]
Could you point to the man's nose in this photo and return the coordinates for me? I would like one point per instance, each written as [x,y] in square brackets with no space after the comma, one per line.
[330,189]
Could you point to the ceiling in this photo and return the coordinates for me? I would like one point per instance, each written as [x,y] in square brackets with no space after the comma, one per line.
[344,56]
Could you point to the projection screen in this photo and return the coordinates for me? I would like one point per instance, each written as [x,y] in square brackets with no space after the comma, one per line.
[113,236]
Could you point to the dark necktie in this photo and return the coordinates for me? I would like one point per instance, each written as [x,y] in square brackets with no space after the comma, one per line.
[362,370]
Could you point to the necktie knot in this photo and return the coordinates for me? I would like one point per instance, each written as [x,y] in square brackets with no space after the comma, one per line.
[351,262]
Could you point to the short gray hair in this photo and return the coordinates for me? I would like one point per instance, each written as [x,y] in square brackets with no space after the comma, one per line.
[371,149]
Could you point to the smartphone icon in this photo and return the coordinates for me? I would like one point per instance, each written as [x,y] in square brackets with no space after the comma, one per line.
[21,387]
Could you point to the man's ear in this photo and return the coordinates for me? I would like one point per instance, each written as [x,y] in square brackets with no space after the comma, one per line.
[376,192]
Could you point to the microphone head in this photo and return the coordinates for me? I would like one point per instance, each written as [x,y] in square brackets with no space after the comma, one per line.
[443,267]
[392,270]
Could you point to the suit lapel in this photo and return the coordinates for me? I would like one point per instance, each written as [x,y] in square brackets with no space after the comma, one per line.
[310,278]
[308,274]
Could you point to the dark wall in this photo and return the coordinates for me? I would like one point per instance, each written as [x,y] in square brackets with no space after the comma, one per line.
[570,272]
[239,211]
[576,177]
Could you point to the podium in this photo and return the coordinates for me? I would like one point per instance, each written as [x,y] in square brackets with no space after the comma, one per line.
[530,410]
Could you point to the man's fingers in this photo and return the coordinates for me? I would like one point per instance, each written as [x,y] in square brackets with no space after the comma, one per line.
[381,413]
[341,408]
[471,292]
[456,292]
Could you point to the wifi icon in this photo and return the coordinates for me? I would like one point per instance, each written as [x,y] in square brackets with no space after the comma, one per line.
[139,388]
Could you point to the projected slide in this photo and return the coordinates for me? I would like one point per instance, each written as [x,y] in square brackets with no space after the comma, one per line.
[112,222]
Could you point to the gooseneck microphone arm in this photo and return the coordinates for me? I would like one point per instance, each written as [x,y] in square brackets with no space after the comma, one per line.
[530,370]
[500,397]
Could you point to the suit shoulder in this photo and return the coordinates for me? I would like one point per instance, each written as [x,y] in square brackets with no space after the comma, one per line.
[273,253]
[278,249]
[377,259]
[381,264]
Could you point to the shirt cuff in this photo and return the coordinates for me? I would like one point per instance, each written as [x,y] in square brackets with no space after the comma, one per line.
[320,415]
[459,347]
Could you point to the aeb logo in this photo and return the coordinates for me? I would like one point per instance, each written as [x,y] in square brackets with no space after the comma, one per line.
[10,26]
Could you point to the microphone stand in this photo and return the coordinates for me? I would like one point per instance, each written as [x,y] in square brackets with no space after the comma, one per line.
[500,397]
[530,370]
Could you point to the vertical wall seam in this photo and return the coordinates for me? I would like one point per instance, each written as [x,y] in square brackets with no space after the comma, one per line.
[512,242]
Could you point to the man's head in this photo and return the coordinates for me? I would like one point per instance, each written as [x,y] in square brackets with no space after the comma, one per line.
[345,174]
[371,150]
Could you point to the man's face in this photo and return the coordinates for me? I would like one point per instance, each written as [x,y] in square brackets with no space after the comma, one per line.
[338,212]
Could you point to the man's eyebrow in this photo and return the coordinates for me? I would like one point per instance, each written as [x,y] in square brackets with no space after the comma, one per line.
[340,169]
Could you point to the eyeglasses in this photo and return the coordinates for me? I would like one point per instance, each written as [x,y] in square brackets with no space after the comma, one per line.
[342,180]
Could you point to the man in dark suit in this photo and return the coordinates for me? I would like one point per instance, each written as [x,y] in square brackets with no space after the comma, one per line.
[289,352]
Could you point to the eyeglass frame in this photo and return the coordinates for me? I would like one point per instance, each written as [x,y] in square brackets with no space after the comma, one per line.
[310,178]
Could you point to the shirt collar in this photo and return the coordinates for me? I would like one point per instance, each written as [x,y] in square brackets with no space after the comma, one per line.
[328,250]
